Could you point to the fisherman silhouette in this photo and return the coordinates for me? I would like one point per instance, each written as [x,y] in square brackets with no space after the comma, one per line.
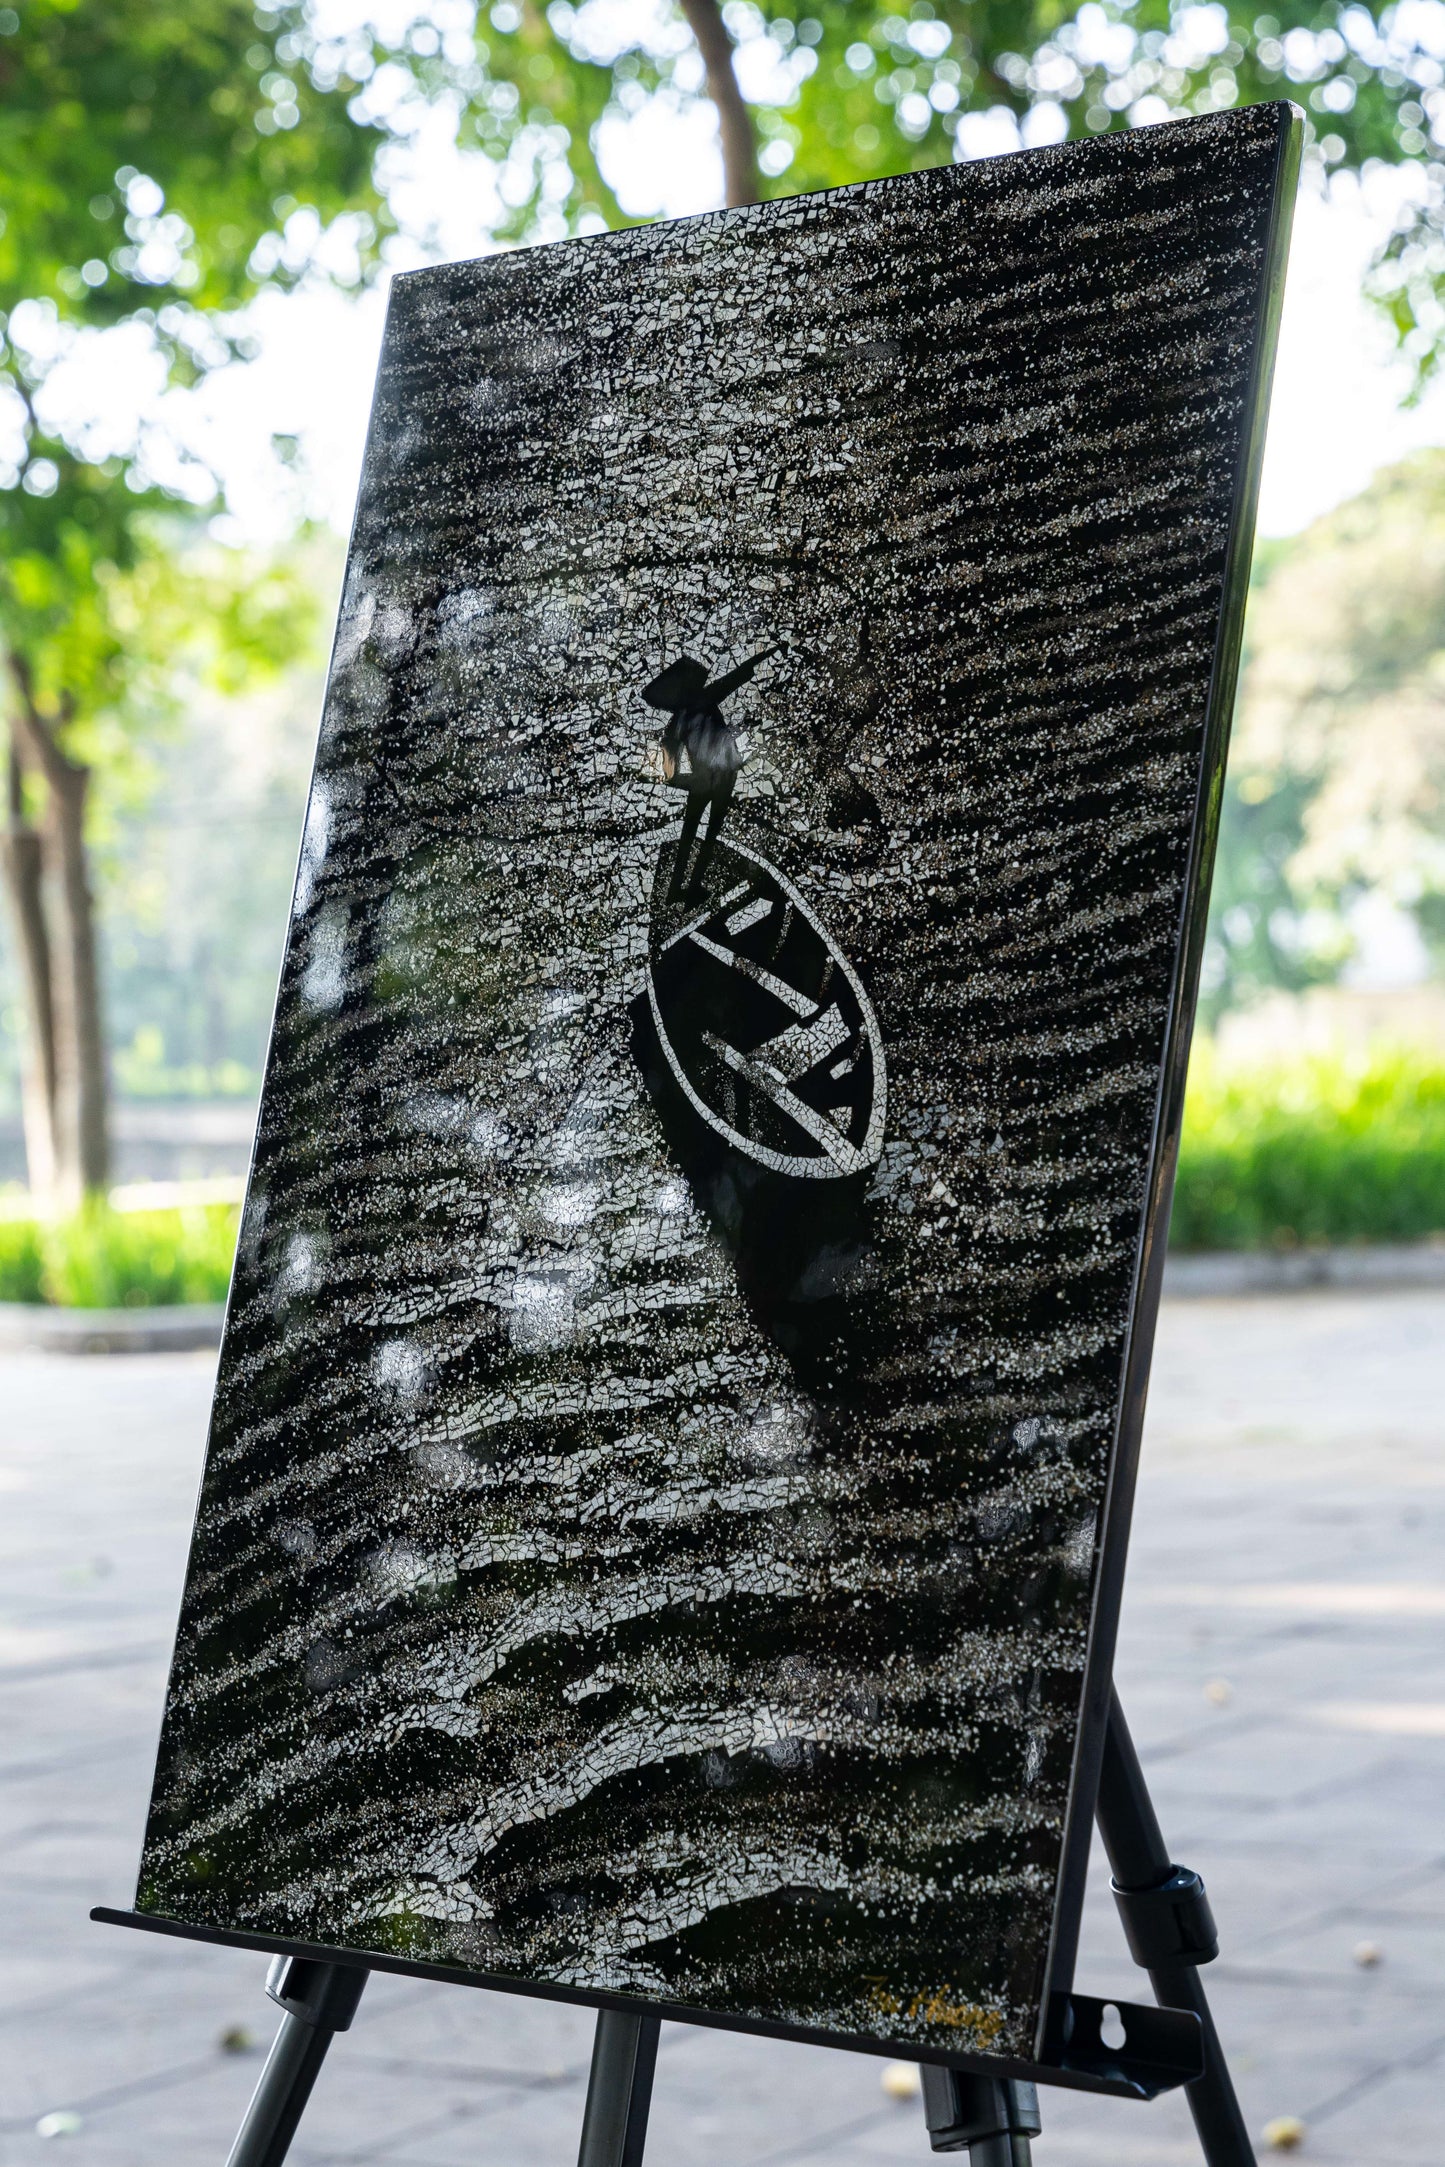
[700,754]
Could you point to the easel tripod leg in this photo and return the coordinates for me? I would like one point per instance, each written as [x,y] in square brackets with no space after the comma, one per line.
[1223,2138]
[1170,1930]
[318,2000]
[619,2091]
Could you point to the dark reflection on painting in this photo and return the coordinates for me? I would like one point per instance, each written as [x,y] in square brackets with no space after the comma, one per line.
[649,1526]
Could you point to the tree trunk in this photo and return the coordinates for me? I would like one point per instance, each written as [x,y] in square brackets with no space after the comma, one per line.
[735,122]
[71,1014]
[24,877]
[76,982]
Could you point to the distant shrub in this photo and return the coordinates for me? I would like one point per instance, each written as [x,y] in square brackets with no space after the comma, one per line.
[1311,1150]
[22,1262]
[105,1259]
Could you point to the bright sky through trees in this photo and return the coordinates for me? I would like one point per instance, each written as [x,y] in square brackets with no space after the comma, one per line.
[1337,413]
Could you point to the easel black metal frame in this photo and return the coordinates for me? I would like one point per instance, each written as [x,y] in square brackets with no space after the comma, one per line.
[987,2112]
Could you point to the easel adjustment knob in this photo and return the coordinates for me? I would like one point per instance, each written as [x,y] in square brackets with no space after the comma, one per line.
[993,2118]
[1170,1923]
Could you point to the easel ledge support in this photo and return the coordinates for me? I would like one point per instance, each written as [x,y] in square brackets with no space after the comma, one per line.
[619,2090]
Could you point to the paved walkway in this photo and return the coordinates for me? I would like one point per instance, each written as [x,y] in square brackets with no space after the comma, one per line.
[1284,1669]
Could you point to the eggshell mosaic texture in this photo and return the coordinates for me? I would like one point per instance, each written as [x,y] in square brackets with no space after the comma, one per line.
[649,1523]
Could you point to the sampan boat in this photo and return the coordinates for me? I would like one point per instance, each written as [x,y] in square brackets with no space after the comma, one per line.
[761,1024]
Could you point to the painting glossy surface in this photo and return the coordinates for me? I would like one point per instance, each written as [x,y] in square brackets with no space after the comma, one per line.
[652,1507]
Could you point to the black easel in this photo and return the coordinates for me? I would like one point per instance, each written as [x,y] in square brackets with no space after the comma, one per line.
[319,2000]
[1170,1930]
[1167,1922]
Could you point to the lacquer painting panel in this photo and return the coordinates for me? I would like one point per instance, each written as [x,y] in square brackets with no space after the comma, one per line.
[652,1510]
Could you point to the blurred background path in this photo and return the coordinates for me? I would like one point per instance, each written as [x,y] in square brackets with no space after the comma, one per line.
[1283,1670]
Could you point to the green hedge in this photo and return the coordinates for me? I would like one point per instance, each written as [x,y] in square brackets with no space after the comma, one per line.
[104,1259]
[1311,1150]
[1273,1156]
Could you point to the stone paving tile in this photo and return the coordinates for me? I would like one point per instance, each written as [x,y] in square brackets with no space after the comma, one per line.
[1394,2119]
[1294,1445]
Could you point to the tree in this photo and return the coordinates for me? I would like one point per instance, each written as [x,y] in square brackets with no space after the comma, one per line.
[735,128]
[150,159]
[834,91]
[109,625]
[1339,745]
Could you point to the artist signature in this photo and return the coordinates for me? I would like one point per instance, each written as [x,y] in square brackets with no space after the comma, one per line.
[937,2008]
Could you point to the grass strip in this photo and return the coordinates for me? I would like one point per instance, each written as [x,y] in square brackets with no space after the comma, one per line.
[103,1259]
[1318,1149]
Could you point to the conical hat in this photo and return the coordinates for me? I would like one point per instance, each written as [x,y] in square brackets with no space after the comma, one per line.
[683,684]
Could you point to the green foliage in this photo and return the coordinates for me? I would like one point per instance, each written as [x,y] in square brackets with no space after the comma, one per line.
[1337,767]
[119,621]
[150,158]
[857,89]
[105,1259]
[154,163]
[1261,938]
[146,148]
[1311,1151]
[846,90]
[22,1261]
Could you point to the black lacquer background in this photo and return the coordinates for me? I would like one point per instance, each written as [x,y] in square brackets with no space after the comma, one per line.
[566,1602]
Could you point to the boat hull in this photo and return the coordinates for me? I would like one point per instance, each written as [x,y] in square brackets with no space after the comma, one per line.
[763,1057]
